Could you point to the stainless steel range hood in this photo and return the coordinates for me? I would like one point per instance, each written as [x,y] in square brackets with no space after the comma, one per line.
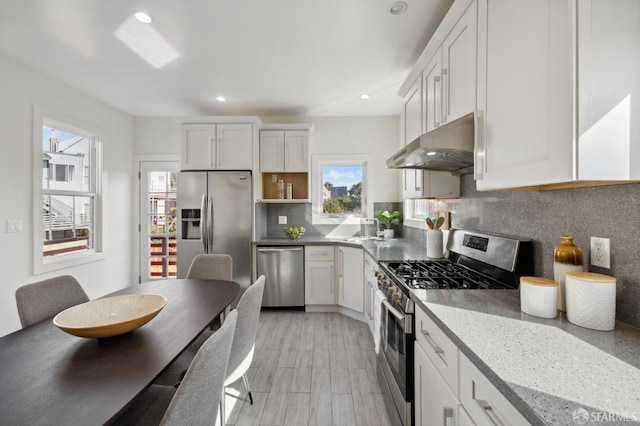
[447,148]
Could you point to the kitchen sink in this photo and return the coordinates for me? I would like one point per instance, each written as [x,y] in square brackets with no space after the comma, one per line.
[362,240]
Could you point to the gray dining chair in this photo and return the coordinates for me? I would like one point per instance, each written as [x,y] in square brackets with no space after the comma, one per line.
[211,267]
[196,400]
[45,299]
[244,340]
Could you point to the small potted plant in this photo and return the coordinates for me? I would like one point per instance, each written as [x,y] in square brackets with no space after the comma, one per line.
[387,219]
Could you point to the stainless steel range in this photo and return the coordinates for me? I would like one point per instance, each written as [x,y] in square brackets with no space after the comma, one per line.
[477,261]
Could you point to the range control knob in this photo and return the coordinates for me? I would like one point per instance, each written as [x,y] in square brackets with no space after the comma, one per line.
[386,283]
[396,297]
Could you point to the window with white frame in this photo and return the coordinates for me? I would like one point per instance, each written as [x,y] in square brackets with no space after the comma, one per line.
[66,203]
[340,189]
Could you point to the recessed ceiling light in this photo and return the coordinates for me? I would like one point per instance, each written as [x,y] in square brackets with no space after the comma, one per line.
[142,17]
[398,8]
[220,98]
[431,153]
[364,96]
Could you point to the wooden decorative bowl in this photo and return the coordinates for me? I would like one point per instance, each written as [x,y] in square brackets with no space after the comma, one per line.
[110,316]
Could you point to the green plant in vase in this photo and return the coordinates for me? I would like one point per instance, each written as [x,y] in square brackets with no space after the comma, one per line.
[387,220]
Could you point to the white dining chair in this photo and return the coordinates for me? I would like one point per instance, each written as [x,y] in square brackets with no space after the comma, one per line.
[244,340]
[196,400]
[47,298]
[211,267]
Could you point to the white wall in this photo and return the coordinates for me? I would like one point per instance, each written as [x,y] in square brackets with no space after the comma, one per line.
[22,87]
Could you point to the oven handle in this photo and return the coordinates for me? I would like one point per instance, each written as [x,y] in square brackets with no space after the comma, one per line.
[405,320]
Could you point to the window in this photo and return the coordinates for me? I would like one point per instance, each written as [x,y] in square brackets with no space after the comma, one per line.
[340,189]
[66,204]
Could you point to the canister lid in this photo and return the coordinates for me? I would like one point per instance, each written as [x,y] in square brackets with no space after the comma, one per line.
[543,282]
[591,277]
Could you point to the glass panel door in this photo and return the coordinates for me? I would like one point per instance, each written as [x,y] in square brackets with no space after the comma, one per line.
[158,220]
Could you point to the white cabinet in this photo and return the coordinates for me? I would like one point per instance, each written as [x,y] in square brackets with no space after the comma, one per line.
[438,347]
[450,75]
[351,278]
[284,151]
[554,86]
[413,127]
[370,287]
[216,147]
[449,389]
[435,403]
[484,403]
[319,275]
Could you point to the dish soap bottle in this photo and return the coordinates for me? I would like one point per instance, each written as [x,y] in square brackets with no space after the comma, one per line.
[567,257]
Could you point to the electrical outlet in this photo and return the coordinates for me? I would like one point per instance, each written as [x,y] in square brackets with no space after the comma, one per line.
[282,220]
[600,252]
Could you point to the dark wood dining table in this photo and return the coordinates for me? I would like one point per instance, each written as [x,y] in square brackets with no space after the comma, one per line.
[49,377]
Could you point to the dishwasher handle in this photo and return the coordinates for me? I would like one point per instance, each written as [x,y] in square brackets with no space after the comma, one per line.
[264,250]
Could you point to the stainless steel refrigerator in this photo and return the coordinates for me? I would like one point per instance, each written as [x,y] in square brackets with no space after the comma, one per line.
[214,216]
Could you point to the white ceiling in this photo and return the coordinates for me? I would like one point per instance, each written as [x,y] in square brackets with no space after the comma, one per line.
[267,57]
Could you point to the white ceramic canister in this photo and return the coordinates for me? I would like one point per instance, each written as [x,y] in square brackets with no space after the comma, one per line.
[591,300]
[434,244]
[539,297]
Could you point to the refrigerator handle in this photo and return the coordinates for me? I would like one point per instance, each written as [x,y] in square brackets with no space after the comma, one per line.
[210,223]
[203,222]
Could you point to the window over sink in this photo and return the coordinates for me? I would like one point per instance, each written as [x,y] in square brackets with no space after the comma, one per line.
[340,189]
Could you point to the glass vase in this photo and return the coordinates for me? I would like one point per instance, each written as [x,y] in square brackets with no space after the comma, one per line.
[567,257]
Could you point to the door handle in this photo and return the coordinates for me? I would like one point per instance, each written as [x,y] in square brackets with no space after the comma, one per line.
[437,349]
[480,145]
[203,223]
[210,222]
[489,412]
[444,96]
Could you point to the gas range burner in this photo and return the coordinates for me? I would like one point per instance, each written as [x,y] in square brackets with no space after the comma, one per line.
[444,275]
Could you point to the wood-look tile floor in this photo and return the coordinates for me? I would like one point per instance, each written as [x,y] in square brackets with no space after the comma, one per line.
[309,369]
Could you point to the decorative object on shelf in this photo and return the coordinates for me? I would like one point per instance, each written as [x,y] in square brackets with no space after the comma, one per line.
[280,193]
[294,232]
[539,297]
[591,300]
[289,191]
[567,257]
[387,219]
[110,316]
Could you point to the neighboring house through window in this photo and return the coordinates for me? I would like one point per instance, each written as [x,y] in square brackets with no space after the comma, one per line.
[340,189]
[67,204]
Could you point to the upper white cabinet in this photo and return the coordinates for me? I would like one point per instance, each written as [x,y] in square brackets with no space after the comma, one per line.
[442,89]
[284,151]
[351,278]
[556,83]
[216,147]
[413,127]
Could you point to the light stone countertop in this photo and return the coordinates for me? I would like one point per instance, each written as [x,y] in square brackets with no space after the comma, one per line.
[394,249]
[546,368]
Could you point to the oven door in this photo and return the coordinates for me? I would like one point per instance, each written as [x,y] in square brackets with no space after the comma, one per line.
[394,344]
[396,361]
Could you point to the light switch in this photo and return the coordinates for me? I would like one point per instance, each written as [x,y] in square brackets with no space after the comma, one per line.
[14,225]
[282,220]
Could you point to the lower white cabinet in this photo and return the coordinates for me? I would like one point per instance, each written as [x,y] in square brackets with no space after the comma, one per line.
[319,276]
[370,287]
[351,278]
[449,389]
[435,402]
[483,401]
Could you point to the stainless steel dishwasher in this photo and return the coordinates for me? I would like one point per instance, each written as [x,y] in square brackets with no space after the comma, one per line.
[283,267]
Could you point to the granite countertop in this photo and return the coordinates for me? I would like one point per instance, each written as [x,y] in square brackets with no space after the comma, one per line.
[546,368]
[394,249]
